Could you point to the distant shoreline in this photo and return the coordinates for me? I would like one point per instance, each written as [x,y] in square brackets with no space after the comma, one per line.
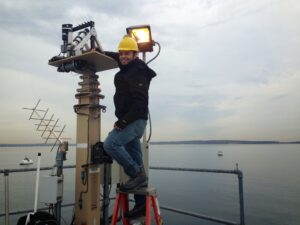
[223,142]
[173,142]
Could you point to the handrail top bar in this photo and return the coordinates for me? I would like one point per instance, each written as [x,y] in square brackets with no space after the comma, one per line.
[235,171]
[32,169]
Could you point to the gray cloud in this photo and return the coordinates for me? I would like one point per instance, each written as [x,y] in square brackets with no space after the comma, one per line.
[224,68]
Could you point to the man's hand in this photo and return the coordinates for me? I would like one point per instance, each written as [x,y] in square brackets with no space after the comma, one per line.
[116,127]
[120,124]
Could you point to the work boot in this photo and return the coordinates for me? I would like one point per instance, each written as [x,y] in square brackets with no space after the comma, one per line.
[136,212]
[140,180]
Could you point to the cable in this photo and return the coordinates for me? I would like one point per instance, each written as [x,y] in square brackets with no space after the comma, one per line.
[150,127]
[159,47]
[150,122]
[63,219]
[73,216]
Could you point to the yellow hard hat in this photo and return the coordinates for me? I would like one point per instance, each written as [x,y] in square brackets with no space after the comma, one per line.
[128,44]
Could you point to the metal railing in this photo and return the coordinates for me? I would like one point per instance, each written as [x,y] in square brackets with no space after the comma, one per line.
[205,217]
[236,171]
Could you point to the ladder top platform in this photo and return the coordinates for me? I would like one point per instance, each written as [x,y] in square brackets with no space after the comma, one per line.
[140,191]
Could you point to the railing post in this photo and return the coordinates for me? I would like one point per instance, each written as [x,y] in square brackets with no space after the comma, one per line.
[59,163]
[241,197]
[6,190]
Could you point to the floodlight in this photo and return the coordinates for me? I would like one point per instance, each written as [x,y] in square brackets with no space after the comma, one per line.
[142,33]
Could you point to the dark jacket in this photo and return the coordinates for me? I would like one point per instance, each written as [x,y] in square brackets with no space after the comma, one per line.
[132,84]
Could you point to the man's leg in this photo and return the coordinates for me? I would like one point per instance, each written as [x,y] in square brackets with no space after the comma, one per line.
[139,209]
[114,145]
[135,151]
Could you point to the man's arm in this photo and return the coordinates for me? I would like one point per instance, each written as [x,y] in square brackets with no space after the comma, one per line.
[113,55]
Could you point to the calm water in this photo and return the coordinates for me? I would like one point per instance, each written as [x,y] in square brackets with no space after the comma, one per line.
[271,182]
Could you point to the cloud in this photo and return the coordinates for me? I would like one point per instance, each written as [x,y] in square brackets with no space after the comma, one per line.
[265,111]
[225,67]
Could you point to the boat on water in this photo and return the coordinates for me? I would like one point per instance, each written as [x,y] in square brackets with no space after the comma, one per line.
[220,153]
[26,161]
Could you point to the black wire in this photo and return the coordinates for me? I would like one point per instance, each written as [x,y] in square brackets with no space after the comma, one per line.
[150,127]
[150,122]
[63,219]
[159,47]
[73,216]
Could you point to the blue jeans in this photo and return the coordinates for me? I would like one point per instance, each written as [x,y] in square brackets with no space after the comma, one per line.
[124,146]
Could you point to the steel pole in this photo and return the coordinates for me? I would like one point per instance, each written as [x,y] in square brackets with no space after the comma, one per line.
[105,205]
[241,197]
[6,190]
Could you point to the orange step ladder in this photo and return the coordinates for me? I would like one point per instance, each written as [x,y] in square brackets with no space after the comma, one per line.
[151,200]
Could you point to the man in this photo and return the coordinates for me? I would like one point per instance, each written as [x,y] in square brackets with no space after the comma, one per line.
[131,109]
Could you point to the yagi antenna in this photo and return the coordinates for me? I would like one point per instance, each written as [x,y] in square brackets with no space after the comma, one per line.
[47,125]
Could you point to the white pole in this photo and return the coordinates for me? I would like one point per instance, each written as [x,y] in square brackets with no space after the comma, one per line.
[145,147]
[37,182]
[145,133]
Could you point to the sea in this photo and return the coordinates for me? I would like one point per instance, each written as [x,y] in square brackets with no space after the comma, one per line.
[271,181]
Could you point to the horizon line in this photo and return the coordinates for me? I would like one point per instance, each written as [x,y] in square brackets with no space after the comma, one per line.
[212,141]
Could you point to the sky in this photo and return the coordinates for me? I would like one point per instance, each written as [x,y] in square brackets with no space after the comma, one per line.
[227,69]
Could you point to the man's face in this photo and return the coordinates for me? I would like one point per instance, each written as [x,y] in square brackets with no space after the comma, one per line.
[126,57]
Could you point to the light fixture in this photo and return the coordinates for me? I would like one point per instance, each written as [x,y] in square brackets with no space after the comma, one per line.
[142,33]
